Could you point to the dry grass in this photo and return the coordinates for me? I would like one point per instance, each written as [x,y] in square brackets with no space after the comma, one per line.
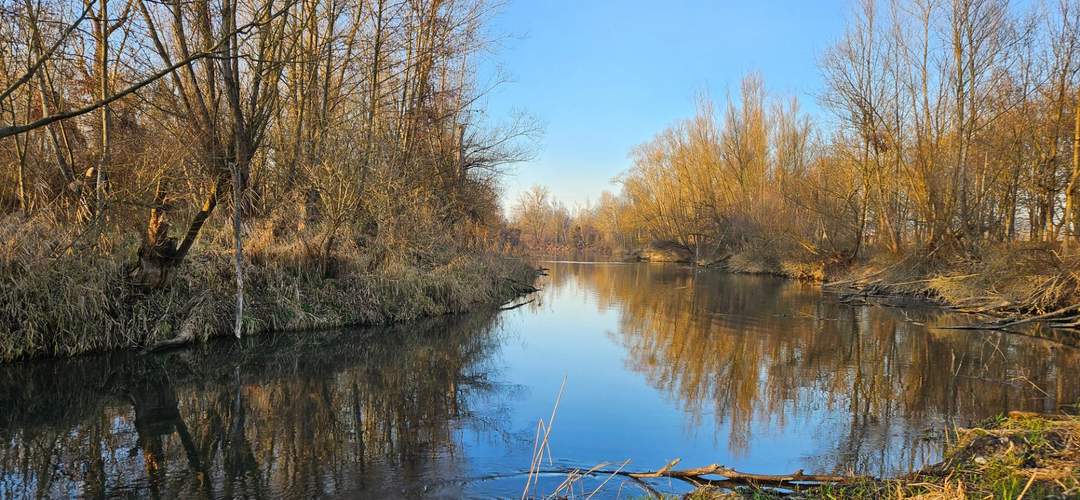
[61,301]
[1023,456]
[1011,280]
[796,267]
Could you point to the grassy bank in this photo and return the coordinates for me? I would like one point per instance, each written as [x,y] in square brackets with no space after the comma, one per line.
[1019,456]
[997,280]
[63,302]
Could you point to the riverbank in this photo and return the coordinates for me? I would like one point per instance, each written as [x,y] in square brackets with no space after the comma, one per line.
[1021,455]
[75,303]
[1003,285]
[1002,282]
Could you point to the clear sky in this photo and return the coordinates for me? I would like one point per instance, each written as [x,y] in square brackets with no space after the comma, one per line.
[603,76]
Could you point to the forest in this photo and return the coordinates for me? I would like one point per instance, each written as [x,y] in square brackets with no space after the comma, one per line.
[178,170]
[950,146]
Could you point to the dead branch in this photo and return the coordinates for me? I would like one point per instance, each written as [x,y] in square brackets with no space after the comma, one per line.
[1041,317]
[515,306]
[213,52]
[696,474]
[727,478]
[522,288]
[1011,321]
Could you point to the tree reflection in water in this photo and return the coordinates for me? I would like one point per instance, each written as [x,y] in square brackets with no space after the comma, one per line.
[758,354]
[778,374]
[295,415]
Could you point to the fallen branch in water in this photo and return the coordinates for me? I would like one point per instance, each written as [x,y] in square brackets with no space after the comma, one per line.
[727,478]
[515,306]
[1012,321]
[1071,322]
[1041,317]
[696,476]
[732,475]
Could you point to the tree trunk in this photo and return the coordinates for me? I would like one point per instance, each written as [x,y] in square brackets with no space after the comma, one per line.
[24,200]
[1070,190]
[103,75]
[45,93]
[239,255]
[159,253]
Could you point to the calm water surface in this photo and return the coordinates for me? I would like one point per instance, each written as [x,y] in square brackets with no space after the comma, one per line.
[659,362]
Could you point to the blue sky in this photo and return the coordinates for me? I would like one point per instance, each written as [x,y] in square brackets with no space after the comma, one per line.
[603,76]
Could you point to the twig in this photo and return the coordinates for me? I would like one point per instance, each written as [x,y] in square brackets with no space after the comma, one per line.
[598,488]
[861,278]
[521,287]
[1027,486]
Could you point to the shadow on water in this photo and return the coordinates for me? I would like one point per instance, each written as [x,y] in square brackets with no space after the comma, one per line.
[349,413]
[662,362]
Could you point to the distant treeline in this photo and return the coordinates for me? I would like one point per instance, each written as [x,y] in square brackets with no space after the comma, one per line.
[953,125]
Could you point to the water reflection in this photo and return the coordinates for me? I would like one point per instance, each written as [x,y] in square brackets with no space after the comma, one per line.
[311,415]
[874,384]
[661,362]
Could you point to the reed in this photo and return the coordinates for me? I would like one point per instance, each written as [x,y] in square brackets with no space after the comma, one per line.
[72,302]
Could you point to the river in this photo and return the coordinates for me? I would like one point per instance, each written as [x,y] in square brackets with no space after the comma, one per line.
[654,362]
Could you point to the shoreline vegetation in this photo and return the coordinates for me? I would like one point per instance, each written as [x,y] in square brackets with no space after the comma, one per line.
[1021,455]
[1003,286]
[67,306]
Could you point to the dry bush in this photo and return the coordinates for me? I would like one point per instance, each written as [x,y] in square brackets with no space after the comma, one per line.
[1030,276]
